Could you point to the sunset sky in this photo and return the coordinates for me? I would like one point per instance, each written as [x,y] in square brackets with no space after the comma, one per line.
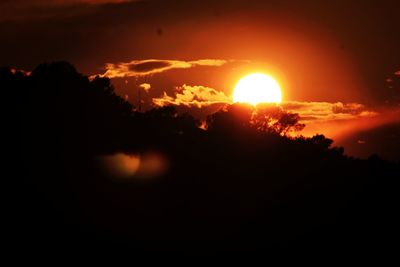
[337,62]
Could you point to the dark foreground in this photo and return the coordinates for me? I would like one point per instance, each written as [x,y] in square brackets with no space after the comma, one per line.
[232,186]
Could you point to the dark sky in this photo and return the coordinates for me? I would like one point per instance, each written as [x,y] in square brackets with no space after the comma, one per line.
[326,55]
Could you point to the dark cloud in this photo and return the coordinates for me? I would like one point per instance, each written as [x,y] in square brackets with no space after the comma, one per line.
[148,66]
[145,67]
[349,108]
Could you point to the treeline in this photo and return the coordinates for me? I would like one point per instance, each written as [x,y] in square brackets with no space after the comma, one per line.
[242,179]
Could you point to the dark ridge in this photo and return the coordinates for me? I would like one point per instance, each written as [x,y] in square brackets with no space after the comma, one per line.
[240,184]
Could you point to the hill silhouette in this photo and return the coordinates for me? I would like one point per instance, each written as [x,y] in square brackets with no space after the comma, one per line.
[243,182]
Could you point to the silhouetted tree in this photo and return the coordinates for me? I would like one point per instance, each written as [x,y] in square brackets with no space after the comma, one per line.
[264,118]
[321,141]
[231,117]
[271,118]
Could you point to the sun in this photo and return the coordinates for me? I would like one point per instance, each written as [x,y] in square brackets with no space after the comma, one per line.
[257,88]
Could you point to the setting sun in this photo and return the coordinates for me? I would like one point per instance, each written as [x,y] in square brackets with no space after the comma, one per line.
[257,88]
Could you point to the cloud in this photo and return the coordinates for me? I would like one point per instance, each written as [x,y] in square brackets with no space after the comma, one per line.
[324,111]
[193,96]
[145,86]
[309,112]
[146,67]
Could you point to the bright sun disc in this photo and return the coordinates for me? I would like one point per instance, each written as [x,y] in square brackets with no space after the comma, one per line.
[257,88]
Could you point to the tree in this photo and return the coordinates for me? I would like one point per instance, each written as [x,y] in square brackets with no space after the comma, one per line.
[231,117]
[288,122]
[263,118]
[321,141]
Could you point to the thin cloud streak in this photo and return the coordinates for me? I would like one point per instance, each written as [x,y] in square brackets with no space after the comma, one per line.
[311,112]
[138,68]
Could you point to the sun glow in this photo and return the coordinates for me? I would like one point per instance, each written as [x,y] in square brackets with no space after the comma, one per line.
[257,88]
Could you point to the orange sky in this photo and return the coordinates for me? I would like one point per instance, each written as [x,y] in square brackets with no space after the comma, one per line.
[332,59]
